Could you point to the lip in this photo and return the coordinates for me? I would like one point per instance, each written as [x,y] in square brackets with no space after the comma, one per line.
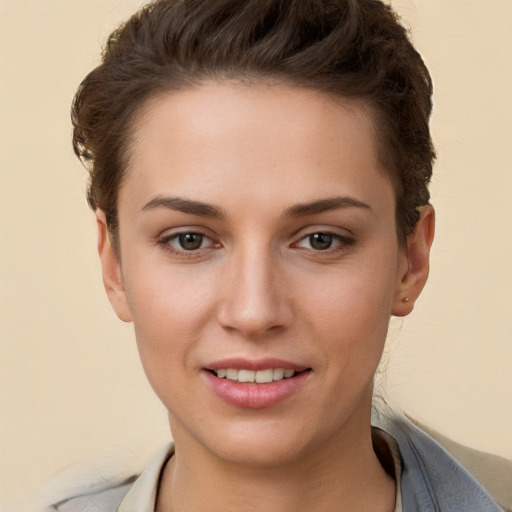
[253,395]
[255,365]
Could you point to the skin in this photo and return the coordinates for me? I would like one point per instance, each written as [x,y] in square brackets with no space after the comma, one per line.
[257,288]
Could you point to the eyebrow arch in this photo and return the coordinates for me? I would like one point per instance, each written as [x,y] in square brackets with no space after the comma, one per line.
[324,205]
[181,204]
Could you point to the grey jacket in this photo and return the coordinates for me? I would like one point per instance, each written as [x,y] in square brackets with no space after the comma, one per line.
[431,480]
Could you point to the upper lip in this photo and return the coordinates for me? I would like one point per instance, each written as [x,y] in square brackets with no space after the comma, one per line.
[255,364]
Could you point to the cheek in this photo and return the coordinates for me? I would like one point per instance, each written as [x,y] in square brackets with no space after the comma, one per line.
[161,294]
[355,293]
[169,312]
[351,309]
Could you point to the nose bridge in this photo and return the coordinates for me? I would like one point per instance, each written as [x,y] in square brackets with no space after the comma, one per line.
[254,302]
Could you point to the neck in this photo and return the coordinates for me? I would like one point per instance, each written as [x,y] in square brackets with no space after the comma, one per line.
[344,474]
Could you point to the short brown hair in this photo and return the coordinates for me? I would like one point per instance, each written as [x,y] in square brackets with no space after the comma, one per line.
[350,48]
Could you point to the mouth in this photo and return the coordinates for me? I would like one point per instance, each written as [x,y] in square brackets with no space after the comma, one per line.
[254,384]
[265,376]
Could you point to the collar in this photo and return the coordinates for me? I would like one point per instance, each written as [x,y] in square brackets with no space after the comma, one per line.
[430,481]
[142,495]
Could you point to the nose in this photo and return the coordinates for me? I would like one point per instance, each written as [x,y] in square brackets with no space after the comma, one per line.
[255,300]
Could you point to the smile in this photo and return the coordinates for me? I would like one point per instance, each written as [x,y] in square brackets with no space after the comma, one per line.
[264,385]
[259,376]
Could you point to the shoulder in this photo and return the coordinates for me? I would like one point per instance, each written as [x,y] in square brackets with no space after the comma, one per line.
[105,484]
[97,484]
[431,478]
[105,500]
[493,472]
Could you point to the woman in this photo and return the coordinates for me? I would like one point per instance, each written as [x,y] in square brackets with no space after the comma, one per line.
[259,174]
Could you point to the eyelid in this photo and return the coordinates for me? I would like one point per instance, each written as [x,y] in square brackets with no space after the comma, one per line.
[313,228]
[183,230]
[339,231]
[343,240]
[170,235]
[177,237]
[340,238]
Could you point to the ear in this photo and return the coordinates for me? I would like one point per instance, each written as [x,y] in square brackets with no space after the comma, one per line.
[416,263]
[111,269]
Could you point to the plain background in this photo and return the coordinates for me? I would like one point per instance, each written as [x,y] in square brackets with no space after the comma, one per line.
[71,384]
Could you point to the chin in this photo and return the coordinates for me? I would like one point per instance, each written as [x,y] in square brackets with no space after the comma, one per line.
[262,451]
[263,442]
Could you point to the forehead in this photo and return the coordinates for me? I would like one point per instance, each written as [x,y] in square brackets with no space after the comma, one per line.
[272,140]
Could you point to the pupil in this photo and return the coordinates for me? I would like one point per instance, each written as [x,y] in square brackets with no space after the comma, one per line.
[191,241]
[320,241]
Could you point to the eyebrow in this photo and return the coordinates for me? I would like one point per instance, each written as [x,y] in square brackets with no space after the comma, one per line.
[324,205]
[181,204]
[207,210]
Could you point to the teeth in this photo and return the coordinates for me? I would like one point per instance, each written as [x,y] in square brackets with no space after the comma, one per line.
[246,375]
[278,374]
[260,376]
[264,376]
[232,374]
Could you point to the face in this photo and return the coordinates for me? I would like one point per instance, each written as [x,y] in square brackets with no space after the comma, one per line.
[260,266]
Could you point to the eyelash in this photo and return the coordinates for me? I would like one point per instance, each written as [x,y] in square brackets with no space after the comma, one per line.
[165,243]
[342,243]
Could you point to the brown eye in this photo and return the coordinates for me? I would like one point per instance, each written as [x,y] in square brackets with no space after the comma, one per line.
[325,241]
[188,244]
[320,241]
[190,241]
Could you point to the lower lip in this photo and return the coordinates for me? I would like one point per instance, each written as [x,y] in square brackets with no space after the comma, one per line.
[255,396]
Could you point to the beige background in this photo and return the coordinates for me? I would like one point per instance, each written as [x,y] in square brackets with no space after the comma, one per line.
[71,384]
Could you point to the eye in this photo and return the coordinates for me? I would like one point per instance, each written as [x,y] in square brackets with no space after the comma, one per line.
[320,241]
[189,241]
[323,241]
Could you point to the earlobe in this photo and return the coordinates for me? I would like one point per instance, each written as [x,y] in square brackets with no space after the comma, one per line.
[111,270]
[417,255]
